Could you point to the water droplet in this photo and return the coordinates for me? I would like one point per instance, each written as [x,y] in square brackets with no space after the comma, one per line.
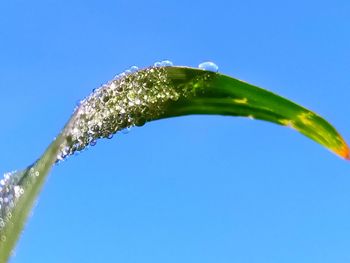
[127,72]
[163,63]
[17,190]
[137,101]
[110,136]
[93,143]
[166,63]
[134,68]
[119,76]
[209,66]
[140,122]
[126,130]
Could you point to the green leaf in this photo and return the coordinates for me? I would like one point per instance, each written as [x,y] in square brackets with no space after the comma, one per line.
[214,93]
[151,94]
[24,186]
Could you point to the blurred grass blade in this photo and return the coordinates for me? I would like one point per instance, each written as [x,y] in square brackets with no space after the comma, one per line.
[145,95]
[19,191]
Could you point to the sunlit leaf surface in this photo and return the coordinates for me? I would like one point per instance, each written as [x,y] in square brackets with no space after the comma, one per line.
[139,96]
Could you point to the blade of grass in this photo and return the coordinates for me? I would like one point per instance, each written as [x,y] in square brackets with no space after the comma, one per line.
[145,95]
[214,93]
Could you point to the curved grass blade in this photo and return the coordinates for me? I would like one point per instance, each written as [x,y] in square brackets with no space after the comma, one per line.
[22,189]
[213,93]
[18,192]
[145,95]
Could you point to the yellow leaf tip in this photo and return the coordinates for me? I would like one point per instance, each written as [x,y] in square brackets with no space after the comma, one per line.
[344,151]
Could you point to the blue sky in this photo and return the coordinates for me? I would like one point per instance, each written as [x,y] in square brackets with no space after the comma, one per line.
[191,189]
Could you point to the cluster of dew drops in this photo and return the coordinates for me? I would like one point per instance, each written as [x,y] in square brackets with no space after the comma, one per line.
[9,192]
[129,99]
[12,187]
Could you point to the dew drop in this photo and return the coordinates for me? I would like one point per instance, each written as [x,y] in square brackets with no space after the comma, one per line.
[209,66]
[128,71]
[9,215]
[93,143]
[137,101]
[126,130]
[59,157]
[119,76]
[140,122]
[134,68]
[166,63]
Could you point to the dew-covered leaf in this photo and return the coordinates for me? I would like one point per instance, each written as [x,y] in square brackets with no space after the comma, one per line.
[139,96]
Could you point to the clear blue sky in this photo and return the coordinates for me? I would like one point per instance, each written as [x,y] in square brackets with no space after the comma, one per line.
[191,189]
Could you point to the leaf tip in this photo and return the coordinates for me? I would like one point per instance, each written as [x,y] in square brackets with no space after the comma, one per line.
[343,151]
